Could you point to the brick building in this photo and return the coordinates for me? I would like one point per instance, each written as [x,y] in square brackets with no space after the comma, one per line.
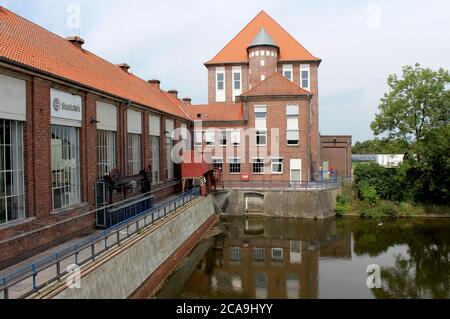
[68,117]
[262,120]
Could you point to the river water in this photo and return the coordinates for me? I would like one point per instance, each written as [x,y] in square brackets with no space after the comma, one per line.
[295,258]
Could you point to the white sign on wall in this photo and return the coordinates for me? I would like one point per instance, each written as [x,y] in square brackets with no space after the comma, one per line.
[67,106]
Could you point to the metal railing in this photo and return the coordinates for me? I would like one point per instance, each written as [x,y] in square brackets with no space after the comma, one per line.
[283,185]
[27,280]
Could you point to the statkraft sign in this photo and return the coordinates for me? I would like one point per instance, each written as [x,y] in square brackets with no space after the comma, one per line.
[65,105]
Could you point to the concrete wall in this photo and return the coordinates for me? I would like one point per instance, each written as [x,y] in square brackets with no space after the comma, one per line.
[282,203]
[124,273]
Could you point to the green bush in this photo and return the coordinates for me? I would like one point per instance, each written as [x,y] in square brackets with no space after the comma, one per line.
[368,193]
[384,180]
[384,209]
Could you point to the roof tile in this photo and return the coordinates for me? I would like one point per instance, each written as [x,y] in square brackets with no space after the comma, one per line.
[236,50]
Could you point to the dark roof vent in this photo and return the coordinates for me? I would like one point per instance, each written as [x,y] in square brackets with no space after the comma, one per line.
[174,93]
[76,41]
[124,67]
[155,83]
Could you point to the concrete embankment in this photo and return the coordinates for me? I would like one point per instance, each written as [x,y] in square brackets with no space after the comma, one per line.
[319,204]
[140,266]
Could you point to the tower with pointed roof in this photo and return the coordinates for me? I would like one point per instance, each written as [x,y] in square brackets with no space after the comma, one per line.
[263,58]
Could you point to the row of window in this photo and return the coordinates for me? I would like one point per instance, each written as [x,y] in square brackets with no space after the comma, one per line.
[292,130]
[263,53]
[258,253]
[227,282]
[65,164]
[288,72]
[258,165]
[305,75]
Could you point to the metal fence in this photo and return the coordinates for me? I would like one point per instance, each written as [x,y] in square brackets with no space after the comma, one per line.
[284,185]
[30,279]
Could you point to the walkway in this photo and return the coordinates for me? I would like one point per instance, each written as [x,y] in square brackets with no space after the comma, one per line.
[84,255]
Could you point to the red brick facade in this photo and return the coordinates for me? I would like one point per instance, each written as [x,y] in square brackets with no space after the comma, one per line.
[37,166]
[337,151]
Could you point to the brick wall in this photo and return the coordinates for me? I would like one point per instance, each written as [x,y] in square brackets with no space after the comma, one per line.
[337,150]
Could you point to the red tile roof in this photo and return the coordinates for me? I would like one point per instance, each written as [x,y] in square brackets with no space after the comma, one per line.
[217,112]
[27,44]
[236,50]
[277,85]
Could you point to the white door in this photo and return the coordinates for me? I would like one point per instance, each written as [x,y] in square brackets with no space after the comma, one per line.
[296,171]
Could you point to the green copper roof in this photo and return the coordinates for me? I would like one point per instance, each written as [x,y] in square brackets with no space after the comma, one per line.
[263,38]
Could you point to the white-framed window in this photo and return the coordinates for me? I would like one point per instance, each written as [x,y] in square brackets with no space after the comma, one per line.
[263,77]
[288,71]
[261,117]
[12,190]
[292,286]
[277,166]
[155,140]
[262,283]
[305,77]
[261,137]
[258,166]
[261,125]
[258,254]
[292,126]
[277,254]
[235,138]
[237,81]
[235,165]
[65,158]
[220,84]
[155,143]
[170,164]
[106,152]
[218,163]
[295,251]
[235,254]
[237,78]
[268,53]
[210,138]
[198,139]
[263,63]
[220,81]
[134,154]
[223,136]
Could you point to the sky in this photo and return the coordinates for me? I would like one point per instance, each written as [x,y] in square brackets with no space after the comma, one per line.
[360,42]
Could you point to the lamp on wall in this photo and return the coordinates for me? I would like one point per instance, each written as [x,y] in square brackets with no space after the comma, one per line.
[94,121]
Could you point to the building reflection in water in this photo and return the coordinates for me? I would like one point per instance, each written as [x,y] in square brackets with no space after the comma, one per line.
[267,258]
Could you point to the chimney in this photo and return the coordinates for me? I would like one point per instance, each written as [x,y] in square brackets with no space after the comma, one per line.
[155,83]
[187,100]
[124,67]
[76,41]
[174,93]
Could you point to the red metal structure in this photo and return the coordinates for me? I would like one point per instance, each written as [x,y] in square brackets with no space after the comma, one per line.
[194,167]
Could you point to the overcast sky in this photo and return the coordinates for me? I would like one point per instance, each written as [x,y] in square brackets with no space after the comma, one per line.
[360,42]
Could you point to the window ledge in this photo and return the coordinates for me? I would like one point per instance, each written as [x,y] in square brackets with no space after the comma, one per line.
[17,222]
[69,208]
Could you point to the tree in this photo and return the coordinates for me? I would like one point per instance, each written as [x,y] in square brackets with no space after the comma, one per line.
[396,146]
[416,104]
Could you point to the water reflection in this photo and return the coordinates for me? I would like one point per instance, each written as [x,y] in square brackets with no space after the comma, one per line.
[293,258]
